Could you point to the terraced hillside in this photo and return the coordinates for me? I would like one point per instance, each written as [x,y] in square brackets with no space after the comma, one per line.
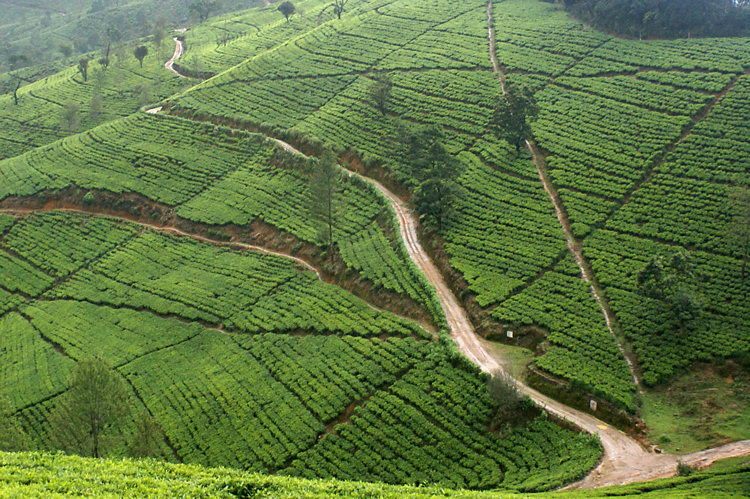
[614,114]
[214,295]
[198,330]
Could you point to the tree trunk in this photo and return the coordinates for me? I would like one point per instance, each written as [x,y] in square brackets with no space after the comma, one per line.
[15,90]
[330,225]
[744,258]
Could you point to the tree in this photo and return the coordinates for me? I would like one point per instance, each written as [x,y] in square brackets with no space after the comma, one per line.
[147,438]
[338,7]
[204,8]
[510,118]
[70,116]
[16,62]
[287,9]
[66,50]
[89,414]
[12,436]
[157,31]
[140,53]
[432,170]
[324,188]
[506,398]
[674,285]
[739,203]
[83,68]
[380,91]
[111,34]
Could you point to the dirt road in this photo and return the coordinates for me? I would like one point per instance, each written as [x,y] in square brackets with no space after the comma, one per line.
[624,460]
[179,49]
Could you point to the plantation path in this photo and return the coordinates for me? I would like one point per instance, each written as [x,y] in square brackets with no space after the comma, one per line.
[562,215]
[624,459]
[179,49]
[575,249]
[170,230]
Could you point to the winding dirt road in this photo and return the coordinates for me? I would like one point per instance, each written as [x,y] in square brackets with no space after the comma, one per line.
[179,49]
[624,460]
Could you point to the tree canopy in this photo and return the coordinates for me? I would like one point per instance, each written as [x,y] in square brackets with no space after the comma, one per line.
[665,18]
[287,9]
[674,284]
[513,111]
[88,415]
[432,170]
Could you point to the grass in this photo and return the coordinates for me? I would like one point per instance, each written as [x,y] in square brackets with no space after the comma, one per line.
[706,407]
[516,359]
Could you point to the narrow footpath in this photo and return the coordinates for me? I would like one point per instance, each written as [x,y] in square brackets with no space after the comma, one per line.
[169,230]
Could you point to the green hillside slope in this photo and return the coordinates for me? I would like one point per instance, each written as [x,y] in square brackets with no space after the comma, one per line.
[615,116]
[300,371]
[41,475]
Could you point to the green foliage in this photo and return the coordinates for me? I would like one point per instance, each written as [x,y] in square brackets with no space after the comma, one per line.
[287,9]
[12,436]
[663,18]
[203,8]
[41,475]
[140,53]
[433,172]
[325,187]
[380,90]
[147,439]
[739,199]
[70,117]
[512,115]
[86,416]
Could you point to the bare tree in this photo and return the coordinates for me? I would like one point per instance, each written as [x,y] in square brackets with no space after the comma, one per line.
[16,62]
[338,7]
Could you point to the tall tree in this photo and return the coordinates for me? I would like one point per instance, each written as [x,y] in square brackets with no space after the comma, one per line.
[380,91]
[512,114]
[12,436]
[674,284]
[70,116]
[83,68]
[287,9]
[88,415]
[324,188]
[147,438]
[432,171]
[204,8]
[140,53]
[338,7]
[16,62]
[739,203]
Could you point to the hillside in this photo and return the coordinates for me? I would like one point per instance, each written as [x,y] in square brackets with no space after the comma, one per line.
[174,226]
[39,475]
